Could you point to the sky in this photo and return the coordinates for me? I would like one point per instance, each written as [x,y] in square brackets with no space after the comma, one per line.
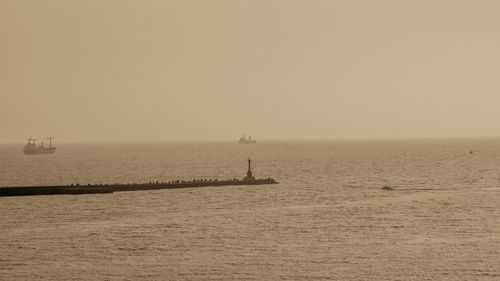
[145,70]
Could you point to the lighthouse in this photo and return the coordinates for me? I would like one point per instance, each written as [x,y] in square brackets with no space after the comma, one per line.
[249,176]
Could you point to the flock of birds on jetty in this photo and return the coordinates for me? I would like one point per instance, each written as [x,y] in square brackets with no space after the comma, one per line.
[194,181]
[110,188]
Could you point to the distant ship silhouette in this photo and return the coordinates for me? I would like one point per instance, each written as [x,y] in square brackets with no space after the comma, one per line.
[245,140]
[30,148]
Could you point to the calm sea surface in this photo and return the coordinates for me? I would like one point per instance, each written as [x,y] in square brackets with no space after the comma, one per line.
[329,219]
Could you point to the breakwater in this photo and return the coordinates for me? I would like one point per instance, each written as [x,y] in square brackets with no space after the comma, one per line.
[110,188]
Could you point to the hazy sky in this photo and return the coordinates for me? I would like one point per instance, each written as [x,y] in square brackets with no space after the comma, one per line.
[106,70]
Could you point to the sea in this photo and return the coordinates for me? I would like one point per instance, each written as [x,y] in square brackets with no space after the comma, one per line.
[328,219]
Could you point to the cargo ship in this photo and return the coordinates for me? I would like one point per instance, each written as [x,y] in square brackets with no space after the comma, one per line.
[245,140]
[249,179]
[30,148]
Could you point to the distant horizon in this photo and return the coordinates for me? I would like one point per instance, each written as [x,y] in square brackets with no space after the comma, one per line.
[259,140]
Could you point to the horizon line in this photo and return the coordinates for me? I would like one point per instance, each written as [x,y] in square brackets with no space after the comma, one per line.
[72,141]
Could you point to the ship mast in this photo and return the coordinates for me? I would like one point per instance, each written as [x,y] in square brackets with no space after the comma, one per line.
[50,141]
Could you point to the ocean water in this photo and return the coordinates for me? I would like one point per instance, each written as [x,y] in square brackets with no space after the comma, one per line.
[328,219]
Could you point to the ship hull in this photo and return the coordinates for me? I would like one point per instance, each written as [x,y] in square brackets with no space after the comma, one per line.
[49,150]
[248,142]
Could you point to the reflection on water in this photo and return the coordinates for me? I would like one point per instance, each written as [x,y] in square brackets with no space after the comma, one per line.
[328,219]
